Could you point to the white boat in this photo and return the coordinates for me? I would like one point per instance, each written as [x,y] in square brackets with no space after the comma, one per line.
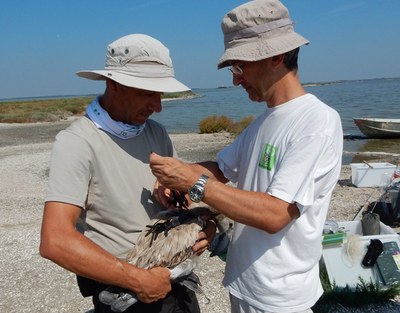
[379,127]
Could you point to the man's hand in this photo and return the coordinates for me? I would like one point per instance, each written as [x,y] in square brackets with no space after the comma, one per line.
[170,199]
[205,237]
[172,173]
[163,195]
[149,291]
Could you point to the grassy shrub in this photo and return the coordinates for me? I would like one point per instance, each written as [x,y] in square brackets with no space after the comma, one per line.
[216,124]
[50,110]
[180,95]
[45,110]
[242,124]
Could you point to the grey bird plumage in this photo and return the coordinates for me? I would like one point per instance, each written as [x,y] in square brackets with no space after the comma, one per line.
[166,241]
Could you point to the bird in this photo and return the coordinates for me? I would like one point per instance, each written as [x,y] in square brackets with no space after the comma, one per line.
[167,241]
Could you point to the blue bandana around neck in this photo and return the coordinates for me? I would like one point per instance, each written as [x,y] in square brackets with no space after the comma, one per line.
[102,120]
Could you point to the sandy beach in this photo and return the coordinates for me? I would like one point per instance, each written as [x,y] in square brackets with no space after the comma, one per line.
[32,284]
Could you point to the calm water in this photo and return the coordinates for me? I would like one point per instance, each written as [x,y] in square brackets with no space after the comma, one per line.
[364,98]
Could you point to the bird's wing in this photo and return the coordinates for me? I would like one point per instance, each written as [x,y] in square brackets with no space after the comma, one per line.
[167,249]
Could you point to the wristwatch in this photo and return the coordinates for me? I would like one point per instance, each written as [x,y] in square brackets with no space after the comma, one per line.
[196,192]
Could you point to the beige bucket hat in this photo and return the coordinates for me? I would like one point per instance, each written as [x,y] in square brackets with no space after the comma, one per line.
[138,61]
[258,30]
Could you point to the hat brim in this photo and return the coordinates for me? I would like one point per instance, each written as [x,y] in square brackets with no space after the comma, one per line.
[159,84]
[251,49]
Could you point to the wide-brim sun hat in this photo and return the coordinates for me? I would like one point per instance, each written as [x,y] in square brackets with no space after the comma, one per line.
[138,61]
[258,30]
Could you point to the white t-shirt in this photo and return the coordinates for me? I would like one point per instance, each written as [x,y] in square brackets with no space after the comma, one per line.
[292,152]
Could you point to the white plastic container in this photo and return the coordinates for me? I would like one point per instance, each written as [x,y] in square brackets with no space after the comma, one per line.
[363,175]
[343,261]
[355,228]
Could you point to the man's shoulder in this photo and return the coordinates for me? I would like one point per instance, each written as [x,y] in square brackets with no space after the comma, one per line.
[82,124]
[316,106]
[155,127]
[82,128]
[152,123]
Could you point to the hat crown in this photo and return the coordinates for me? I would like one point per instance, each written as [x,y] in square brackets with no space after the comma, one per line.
[258,30]
[253,13]
[138,61]
[137,48]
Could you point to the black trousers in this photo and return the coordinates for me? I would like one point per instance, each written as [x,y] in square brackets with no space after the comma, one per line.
[178,300]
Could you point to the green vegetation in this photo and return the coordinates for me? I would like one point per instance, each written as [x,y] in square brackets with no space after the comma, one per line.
[47,110]
[180,95]
[216,124]
[51,110]
[364,293]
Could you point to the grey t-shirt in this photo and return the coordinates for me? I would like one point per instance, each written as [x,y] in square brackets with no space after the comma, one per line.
[109,178]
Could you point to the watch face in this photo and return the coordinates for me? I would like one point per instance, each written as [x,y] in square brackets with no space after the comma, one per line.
[196,193]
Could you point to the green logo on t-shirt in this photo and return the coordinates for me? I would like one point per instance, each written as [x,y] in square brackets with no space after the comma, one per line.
[267,158]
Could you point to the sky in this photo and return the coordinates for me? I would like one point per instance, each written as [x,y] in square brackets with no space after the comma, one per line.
[44,42]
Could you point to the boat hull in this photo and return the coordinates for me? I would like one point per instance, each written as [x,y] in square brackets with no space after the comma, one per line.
[379,127]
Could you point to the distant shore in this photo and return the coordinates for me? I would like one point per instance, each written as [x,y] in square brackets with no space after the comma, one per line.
[373,151]
[54,109]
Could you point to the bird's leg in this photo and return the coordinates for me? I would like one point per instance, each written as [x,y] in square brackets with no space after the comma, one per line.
[154,230]
[160,227]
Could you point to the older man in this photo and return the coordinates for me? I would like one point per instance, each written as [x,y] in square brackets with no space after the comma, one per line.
[100,180]
[285,164]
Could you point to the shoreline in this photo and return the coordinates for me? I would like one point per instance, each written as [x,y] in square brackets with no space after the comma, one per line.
[355,150]
[37,285]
